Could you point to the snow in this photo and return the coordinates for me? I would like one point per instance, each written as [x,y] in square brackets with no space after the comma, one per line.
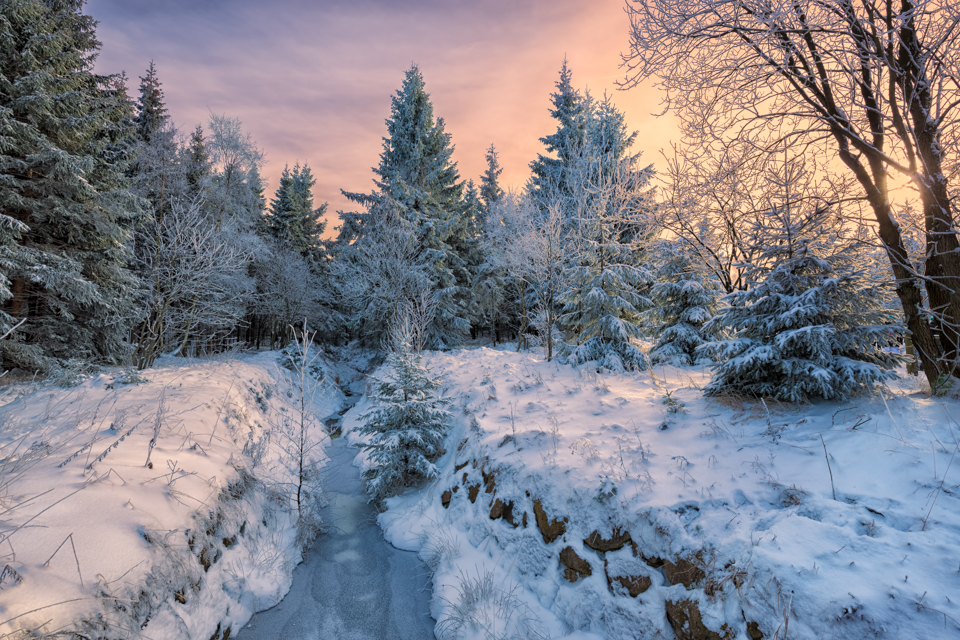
[72,468]
[739,488]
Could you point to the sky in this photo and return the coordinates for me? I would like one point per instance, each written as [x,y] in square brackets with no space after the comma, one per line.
[312,81]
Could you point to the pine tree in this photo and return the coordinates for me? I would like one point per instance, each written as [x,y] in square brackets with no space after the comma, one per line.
[406,427]
[684,300]
[611,207]
[812,323]
[66,209]
[418,180]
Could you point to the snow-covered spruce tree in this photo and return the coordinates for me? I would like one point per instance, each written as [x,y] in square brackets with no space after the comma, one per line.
[418,179]
[684,299]
[812,323]
[292,218]
[490,190]
[551,182]
[605,297]
[407,424]
[66,211]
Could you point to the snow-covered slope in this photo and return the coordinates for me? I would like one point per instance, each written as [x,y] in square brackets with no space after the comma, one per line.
[187,545]
[580,505]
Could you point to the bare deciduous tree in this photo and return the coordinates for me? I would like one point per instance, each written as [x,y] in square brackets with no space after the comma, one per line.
[193,277]
[876,83]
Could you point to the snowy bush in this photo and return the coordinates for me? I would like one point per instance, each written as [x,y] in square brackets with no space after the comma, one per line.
[406,427]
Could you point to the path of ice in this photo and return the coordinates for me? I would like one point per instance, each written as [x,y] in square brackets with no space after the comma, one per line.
[352,585]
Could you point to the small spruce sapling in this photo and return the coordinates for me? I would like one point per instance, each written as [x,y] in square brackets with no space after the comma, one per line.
[407,426]
[684,300]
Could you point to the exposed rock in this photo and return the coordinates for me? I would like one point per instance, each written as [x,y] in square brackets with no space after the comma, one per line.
[503,510]
[464,481]
[489,479]
[684,617]
[549,529]
[616,541]
[753,630]
[635,585]
[445,498]
[472,492]
[460,466]
[683,572]
[524,521]
[575,566]
[652,561]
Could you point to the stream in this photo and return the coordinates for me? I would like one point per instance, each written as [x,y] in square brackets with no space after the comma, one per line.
[352,584]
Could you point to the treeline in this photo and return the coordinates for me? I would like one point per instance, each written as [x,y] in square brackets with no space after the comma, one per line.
[124,239]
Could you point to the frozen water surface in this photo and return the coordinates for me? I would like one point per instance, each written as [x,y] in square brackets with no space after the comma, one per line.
[353,585]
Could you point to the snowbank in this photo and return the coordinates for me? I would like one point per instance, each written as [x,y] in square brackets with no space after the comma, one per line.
[161,508]
[629,506]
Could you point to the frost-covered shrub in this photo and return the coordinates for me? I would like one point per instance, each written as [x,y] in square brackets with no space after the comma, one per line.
[130,375]
[292,358]
[406,427]
[811,326]
[72,372]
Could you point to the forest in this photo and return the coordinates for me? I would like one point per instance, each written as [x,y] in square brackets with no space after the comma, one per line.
[792,261]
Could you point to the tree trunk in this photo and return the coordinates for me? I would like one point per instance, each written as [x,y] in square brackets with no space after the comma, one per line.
[907,284]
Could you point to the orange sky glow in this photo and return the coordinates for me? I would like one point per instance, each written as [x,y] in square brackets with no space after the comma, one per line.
[312,81]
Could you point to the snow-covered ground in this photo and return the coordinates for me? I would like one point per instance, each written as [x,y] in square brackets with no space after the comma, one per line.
[579,505]
[162,508]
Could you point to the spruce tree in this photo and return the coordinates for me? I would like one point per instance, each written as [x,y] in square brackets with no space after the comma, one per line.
[611,205]
[407,426]
[418,180]
[684,300]
[292,218]
[66,211]
[151,110]
[197,161]
[490,191]
[812,323]
[551,180]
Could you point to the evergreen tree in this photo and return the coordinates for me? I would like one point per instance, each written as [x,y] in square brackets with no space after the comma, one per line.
[197,161]
[406,427]
[66,210]
[551,180]
[611,207]
[151,111]
[684,300]
[810,326]
[418,181]
[292,218]
[490,191]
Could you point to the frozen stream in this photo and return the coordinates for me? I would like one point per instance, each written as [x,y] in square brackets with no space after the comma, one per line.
[352,585]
